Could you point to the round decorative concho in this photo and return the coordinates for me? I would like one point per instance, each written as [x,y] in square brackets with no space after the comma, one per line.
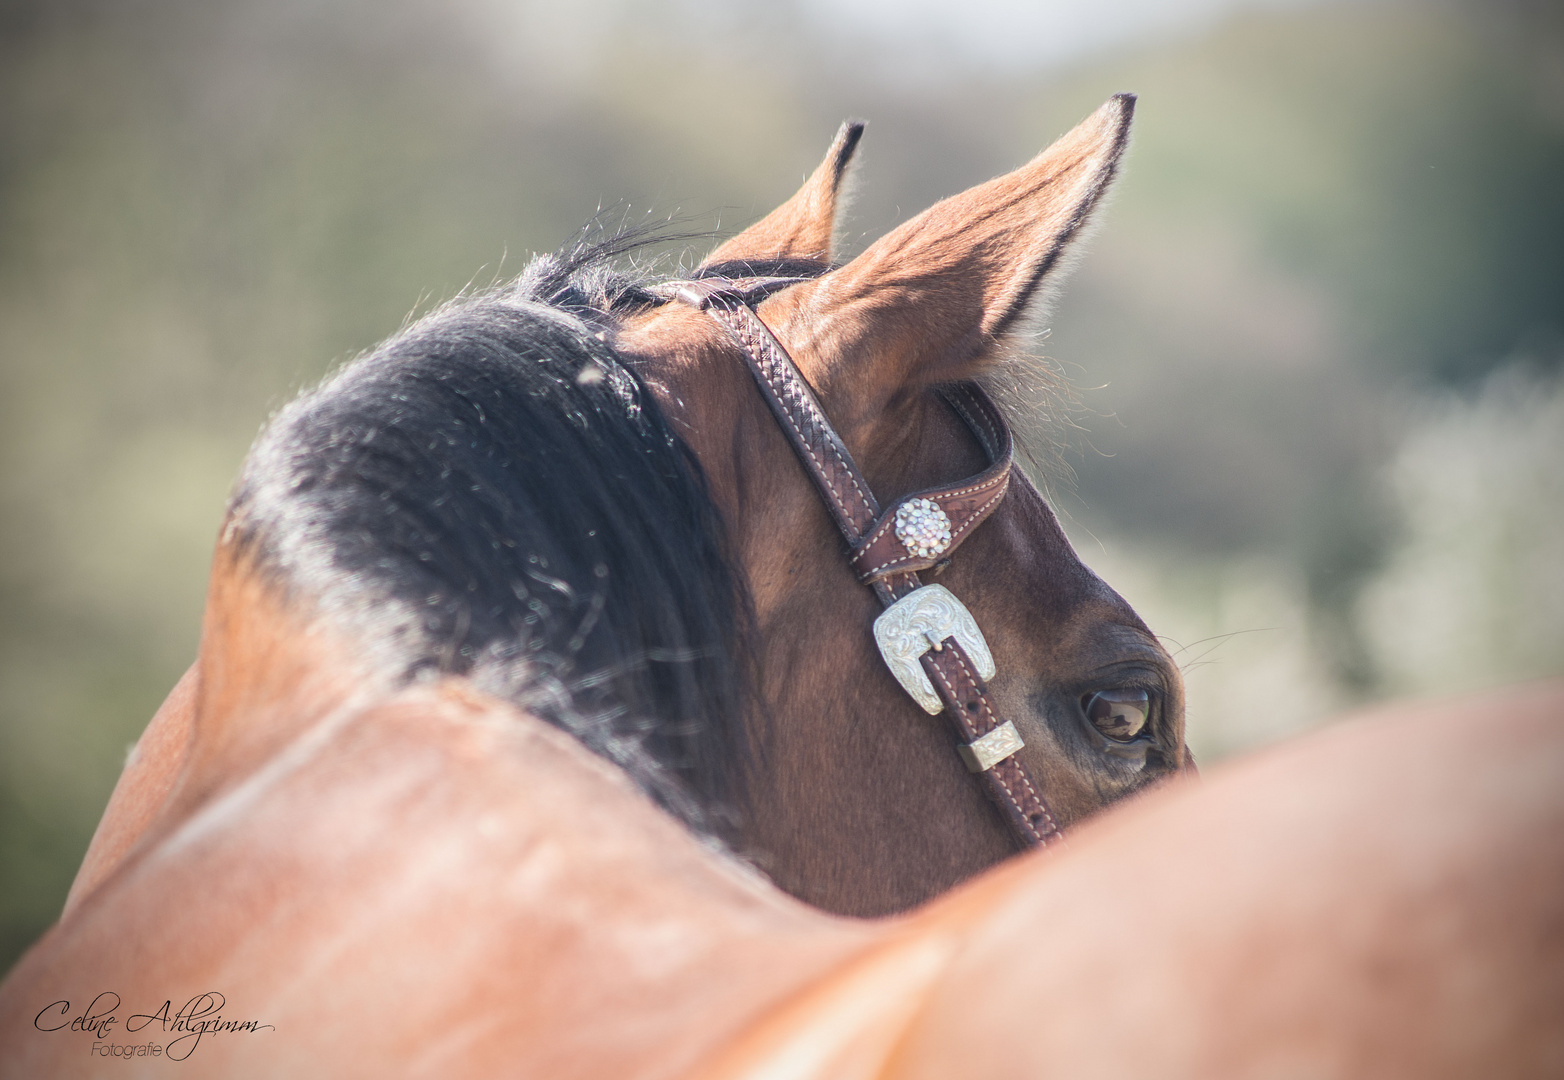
[922,528]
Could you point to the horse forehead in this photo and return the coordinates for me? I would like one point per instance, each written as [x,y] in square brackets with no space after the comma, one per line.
[693,369]
[676,342]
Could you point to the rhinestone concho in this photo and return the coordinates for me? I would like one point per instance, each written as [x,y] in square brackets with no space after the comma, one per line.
[922,528]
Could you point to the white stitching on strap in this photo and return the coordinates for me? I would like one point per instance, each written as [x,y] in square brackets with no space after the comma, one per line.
[998,776]
[972,521]
[1053,826]
[890,519]
[796,406]
[1003,479]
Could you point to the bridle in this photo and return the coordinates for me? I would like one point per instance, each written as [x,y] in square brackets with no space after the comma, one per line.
[928,638]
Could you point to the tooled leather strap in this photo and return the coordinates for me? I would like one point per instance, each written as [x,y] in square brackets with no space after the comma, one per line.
[1009,783]
[878,555]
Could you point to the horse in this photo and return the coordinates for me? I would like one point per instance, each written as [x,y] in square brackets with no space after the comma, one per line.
[438,884]
[422,808]
[569,492]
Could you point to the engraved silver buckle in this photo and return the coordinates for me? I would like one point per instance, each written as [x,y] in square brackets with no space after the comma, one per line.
[922,620]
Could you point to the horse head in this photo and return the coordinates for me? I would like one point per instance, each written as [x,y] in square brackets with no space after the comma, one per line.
[858,802]
[568,493]
[563,504]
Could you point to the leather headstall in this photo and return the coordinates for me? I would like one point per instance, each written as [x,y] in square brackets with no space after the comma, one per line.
[928,638]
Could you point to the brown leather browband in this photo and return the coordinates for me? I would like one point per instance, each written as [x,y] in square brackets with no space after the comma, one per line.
[881,557]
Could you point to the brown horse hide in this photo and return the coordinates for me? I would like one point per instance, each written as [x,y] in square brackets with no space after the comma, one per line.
[436,885]
[538,729]
[571,493]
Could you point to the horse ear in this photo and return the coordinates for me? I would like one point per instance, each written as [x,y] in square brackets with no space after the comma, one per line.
[802,227]
[929,301]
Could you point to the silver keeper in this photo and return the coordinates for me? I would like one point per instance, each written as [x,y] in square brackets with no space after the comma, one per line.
[983,754]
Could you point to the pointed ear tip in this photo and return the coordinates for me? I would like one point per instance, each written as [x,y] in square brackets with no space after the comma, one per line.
[847,136]
[843,147]
[1111,121]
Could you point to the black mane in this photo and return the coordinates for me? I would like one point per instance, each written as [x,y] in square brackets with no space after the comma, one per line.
[492,493]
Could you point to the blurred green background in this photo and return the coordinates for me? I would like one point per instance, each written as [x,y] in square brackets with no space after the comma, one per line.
[1317,340]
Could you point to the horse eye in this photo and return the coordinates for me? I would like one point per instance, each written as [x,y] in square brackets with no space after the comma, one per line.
[1118,714]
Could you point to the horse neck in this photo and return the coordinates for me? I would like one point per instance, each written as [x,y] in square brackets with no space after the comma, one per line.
[270,673]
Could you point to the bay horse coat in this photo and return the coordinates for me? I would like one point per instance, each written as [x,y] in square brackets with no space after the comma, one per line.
[464,782]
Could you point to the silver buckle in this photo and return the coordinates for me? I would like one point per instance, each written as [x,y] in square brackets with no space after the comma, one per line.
[921,621]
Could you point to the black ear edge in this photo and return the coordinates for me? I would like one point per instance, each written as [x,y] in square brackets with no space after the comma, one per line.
[1034,290]
[843,147]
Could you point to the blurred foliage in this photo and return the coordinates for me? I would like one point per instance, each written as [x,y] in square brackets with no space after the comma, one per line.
[1475,586]
[1321,214]
[203,206]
